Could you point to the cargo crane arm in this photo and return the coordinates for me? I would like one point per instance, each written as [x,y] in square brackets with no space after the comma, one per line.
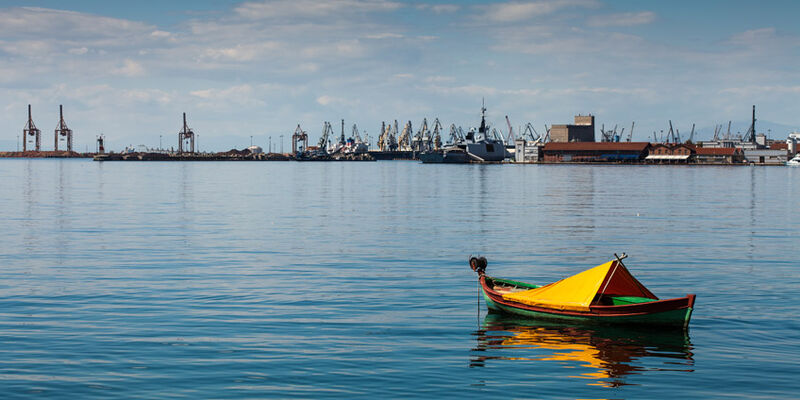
[530,132]
[511,138]
[456,134]
[356,135]
[630,133]
[437,135]
[324,139]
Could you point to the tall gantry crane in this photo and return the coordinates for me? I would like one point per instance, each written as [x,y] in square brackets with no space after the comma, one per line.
[383,137]
[421,140]
[62,130]
[511,138]
[404,141]
[31,130]
[393,137]
[324,140]
[299,140]
[437,136]
[185,137]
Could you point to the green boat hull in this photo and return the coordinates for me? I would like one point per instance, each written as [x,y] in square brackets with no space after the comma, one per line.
[667,318]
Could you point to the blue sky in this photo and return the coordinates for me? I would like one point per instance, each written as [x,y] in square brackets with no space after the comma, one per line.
[128,70]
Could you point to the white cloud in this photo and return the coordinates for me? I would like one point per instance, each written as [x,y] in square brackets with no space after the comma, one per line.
[60,25]
[241,52]
[753,36]
[149,95]
[308,67]
[572,42]
[622,19]
[27,48]
[440,78]
[386,35]
[752,90]
[347,48]
[439,8]
[523,10]
[311,8]
[129,68]
[237,96]
[160,34]
[78,50]
[327,100]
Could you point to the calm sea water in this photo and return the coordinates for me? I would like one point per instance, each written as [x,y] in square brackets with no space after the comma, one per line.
[350,280]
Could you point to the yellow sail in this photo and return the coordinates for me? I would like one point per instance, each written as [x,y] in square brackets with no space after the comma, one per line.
[574,293]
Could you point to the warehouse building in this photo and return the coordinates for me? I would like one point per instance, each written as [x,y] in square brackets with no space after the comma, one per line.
[719,155]
[581,131]
[595,151]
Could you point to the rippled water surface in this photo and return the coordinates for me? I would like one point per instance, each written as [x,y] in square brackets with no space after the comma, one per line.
[350,280]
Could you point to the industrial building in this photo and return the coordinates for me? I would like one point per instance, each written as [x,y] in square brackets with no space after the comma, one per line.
[527,151]
[595,151]
[766,156]
[719,155]
[581,131]
[670,153]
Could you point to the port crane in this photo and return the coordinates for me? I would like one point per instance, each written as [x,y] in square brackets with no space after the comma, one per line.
[393,137]
[437,136]
[510,139]
[299,140]
[356,136]
[387,139]
[497,135]
[404,141]
[422,140]
[324,140]
[630,133]
[66,133]
[456,134]
[185,137]
[31,130]
[750,135]
[530,132]
[671,134]
[609,135]
[381,136]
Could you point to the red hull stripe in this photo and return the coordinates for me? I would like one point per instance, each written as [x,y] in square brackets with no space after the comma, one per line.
[598,311]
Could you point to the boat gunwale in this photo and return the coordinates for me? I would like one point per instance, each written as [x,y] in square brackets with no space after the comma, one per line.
[595,311]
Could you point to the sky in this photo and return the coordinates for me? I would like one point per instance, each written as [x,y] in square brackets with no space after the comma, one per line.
[128,70]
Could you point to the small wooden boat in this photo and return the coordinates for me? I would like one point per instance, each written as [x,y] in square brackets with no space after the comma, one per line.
[607,293]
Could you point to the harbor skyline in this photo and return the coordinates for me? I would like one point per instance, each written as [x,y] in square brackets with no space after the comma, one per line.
[243,69]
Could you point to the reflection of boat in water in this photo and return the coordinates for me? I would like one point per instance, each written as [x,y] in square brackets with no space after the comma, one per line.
[475,147]
[607,293]
[604,354]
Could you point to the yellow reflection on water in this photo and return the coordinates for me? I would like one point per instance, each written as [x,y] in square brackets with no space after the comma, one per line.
[603,355]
